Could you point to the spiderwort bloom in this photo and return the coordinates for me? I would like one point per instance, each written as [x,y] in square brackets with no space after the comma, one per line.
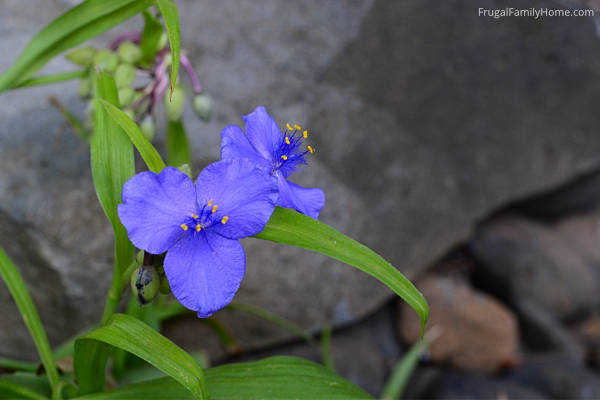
[199,226]
[278,153]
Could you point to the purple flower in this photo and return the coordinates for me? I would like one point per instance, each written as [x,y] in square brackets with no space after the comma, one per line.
[199,226]
[277,152]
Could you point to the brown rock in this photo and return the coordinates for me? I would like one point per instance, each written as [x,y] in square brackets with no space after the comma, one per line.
[477,332]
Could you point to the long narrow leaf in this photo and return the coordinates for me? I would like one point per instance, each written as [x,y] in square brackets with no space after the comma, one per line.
[132,335]
[272,378]
[151,34]
[18,290]
[290,227]
[10,390]
[55,78]
[169,11]
[80,23]
[143,145]
[178,148]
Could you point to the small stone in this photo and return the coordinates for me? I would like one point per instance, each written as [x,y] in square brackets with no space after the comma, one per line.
[477,332]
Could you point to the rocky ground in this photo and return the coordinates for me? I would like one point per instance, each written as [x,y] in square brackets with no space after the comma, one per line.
[462,149]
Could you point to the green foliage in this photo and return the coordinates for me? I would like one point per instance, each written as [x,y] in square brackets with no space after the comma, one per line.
[132,335]
[178,148]
[169,12]
[151,34]
[18,290]
[141,143]
[83,22]
[290,227]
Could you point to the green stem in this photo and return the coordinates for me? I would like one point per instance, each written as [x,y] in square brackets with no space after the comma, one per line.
[117,287]
[47,79]
[17,365]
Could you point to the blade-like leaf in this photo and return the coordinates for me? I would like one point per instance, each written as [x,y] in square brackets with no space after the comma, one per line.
[80,23]
[141,143]
[19,292]
[169,11]
[151,34]
[17,365]
[24,385]
[132,335]
[55,78]
[272,378]
[178,148]
[11,390]
[290,227]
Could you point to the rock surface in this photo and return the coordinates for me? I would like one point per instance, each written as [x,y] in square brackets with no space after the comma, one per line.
[476,331]
[424,119]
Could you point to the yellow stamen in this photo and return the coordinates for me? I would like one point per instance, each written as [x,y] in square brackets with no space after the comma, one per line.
[184,227]
[310,149]
[198,228]
[287,140]
[194,216]
[225,219]
[297,127]
[284,157]
[305,134]
[289,127]
[210,203]
[214,209]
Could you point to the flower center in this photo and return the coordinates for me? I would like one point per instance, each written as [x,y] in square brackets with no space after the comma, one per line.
[206,217]
[292,151]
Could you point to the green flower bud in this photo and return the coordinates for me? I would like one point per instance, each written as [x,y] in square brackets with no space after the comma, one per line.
[124,75]
[203,106]
[85,88]
[144,284]
[83,56]
[148,127]
[139,257]
[174,104]
[164,288]
[162,42]
[129,52]
[126,96]
[106,60]
[186,169]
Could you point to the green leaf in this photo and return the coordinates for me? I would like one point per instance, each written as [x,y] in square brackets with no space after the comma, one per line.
[178,148]
[24,385]
[169,11]
[11,390]
[151,34]
[17,365]
[143,145]
[127,333]
[19,292]
[290,227]
[397,381]
[80,23]
[112,165]
[55,78]
[326,356]
[272,378]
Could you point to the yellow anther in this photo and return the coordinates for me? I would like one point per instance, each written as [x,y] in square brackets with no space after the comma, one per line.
[287,140]
[284,157]
[184,227]
[297,127]
[195,216]
[214,209]
[210,203]
[310,149]
[198,228]
[289,127]
[225,219]
[305,134]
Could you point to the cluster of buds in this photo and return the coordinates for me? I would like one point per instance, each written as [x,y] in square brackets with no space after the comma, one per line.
[149,278]
[141,85]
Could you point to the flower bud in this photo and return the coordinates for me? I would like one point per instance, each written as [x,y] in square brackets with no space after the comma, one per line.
[129,112]
[174,104]
[106,60]
[129,52]
[148,127]
[203,106]
[126,96]
[139,257]
[83,56]
[164,288]
[85,88]
[124,75]
[144,284]
[162,42]
[186,169]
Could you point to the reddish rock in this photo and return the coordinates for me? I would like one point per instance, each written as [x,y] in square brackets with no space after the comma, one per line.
[477,331]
